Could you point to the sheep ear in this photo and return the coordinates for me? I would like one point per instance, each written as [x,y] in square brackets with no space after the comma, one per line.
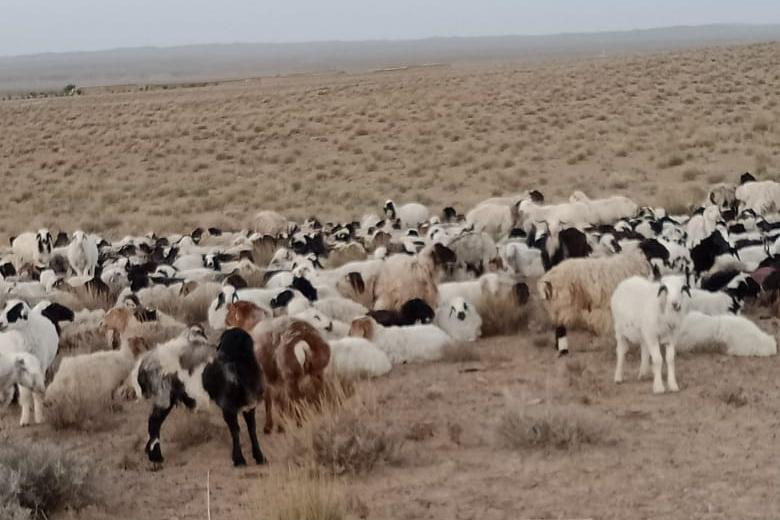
[687,289]
[712,198]
[656,273]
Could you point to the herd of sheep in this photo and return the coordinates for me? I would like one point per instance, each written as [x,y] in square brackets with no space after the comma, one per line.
[276,309]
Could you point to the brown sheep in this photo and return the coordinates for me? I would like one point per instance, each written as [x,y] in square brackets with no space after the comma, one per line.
[287,350]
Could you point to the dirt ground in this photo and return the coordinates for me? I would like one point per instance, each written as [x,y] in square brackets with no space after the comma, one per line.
[701,453]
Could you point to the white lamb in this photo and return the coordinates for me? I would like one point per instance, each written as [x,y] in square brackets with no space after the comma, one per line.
[459,320]
[83,254]
[608,210]
[649,313]
[713,303]
[738,336]
[25,330]
[357,357]
[403,344]
[22,369]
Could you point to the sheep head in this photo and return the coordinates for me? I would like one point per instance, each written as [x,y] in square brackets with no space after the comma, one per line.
[245,315]
[674,294]
[15,315]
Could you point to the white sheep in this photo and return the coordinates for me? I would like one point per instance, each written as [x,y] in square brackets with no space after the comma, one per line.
[83,254]
[738,336]
[34,248]
[22,369]
[405,277]
[702,225]
[523,260]
[96,375]
[577,291]
[328,327]
[270,223]
[357,357]
[497,220]
[761,196]
[25,330]
[608,210]
[649,313]
[713,303]
[459,320]
[411,214]
[403,344]
[568,214]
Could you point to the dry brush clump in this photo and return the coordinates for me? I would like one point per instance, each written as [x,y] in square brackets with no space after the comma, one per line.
[37,480]
[551,427]
[87,412]
[307,493]
[343,435]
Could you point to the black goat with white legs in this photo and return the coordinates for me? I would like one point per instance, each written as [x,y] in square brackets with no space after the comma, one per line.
[187,370]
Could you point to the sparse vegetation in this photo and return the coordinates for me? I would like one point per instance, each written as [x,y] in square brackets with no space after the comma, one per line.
[39,479]
[551,427]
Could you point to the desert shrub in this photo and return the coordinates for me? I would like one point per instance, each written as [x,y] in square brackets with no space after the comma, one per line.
[733,396]
[188,430]
[38,479]
[550,427]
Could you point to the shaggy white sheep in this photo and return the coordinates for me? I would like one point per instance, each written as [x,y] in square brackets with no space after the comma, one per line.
[459,320]
[98,374]
[577,291]
[737,336]
[270,223]
[25,330]
[405,277]
[649,313]
[357,357]
[702,225]
[523,260]
[329,328]
[403,344]
[83,254]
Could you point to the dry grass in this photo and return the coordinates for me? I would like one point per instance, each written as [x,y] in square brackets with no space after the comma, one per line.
[343,435]
[83,412]
[733,396]
[549,427]
[37,480]
[189,430]
[625,122]
[302,494]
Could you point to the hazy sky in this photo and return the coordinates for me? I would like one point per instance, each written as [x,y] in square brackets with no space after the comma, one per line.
[31,26]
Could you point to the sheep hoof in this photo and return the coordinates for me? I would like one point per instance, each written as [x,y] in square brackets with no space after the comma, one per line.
[563,352]
[658,389]
[260,458]
[239,461]
[673,387]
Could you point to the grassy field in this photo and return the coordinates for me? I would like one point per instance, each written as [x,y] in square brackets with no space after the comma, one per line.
[656,127]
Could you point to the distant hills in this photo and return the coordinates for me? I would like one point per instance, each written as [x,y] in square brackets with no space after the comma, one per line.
[144,65]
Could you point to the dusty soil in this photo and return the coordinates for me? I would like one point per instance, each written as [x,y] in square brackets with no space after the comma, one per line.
[695,454]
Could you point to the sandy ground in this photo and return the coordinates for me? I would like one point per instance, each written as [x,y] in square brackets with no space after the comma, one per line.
[170,159]
[686,455]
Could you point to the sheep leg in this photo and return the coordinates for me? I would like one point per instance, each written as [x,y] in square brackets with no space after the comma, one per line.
[620,350]
[231,418]
[269,418]
[251,426]
[671,376]
[156,419]
[644,363]
[25,403]
[655,356]
[561,341]
[38,406]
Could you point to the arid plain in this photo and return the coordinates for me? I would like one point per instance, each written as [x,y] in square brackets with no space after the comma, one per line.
[657,127]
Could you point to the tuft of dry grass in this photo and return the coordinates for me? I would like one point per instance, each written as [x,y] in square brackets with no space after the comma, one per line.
[188,430]
[733,396]
[551,427]
[37,480]
[302,494]
[82,412]
[343,435]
